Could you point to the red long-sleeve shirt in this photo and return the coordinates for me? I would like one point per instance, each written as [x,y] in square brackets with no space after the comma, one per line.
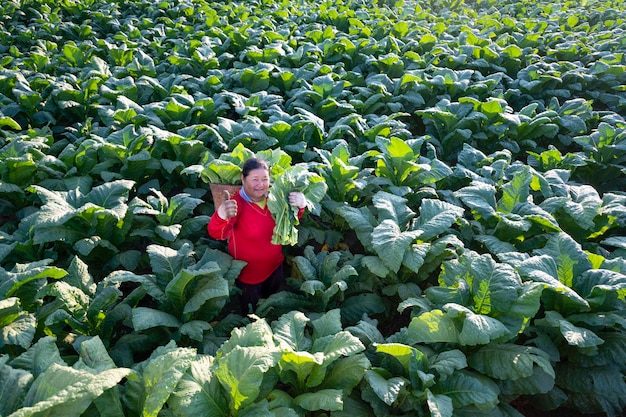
[249,236]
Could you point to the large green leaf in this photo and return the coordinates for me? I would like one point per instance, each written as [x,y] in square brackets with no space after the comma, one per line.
[515,191]
[257,333]
[386,389]
[347,373]
[335,346]
[20,331]
[111,196]
[327,324]
[229,266]
[99,211]
[324,399]
[570,258]
[61,390]
[14,384]
[177,289]
[391,243]
[593,389]
[396,161]
[39,357]
[602,287]
[146,318]
[195,329]
[73,299]
[439,405]
[167,263]
[480,197]
[289,331]
[241,372]
[9,122]
[159,375]
[478,328]
[510,361]
[436,218]
[467,388]
[198,392]
[78,276]
[301,364]
[446,362]
[212,290]
[526,306]
[537,215]
[392,207]
[362,221]
[539,382]
[544,269]
[146,282]
[433,327]
[94,356]
[9,310]
[578,336]
[493,286]
[22,274]
[356,307]
[402,353]
[583,206]
[354,406]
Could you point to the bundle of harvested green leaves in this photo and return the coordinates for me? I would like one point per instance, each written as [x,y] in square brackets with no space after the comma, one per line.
[295,178]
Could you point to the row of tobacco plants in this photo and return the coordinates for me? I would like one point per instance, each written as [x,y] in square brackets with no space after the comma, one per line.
[467,259]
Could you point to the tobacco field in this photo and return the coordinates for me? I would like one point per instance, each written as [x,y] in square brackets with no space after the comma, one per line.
[467,257]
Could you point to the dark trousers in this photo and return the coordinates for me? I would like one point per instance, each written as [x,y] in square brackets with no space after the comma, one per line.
[252,293]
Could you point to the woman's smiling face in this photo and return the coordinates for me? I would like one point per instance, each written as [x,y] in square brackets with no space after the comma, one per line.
[256,183]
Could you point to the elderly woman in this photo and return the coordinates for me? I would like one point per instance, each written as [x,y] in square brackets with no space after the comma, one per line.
[246,222]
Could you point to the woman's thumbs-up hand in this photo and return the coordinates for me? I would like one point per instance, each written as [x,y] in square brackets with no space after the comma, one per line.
[228,209]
